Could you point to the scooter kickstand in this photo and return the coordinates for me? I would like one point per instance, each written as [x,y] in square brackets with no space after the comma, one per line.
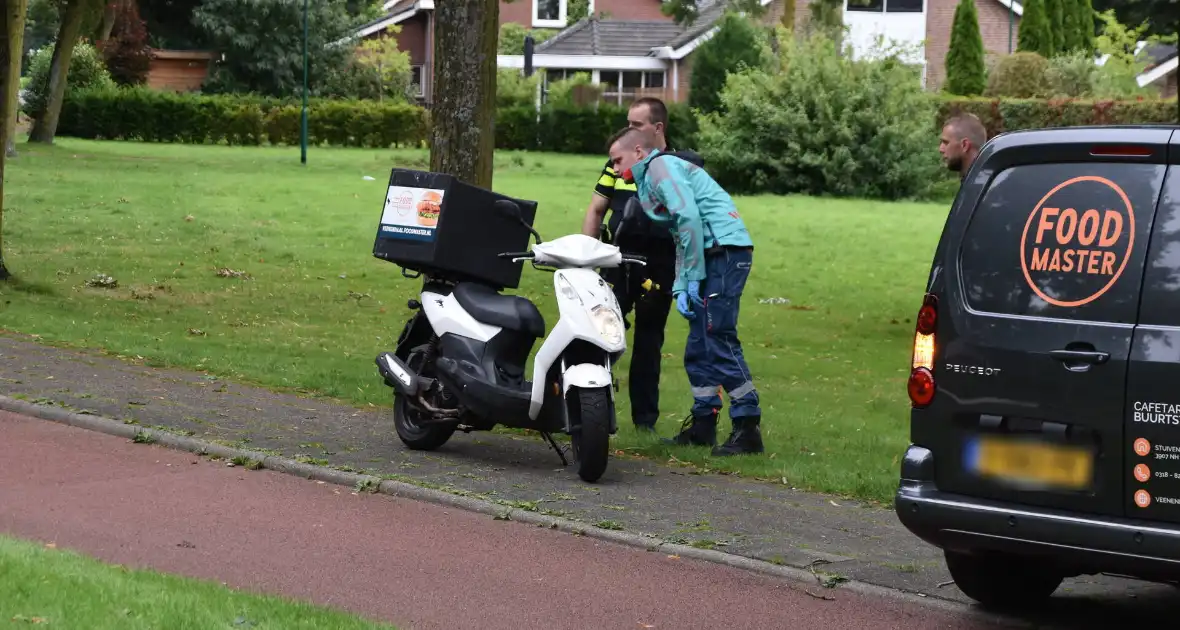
[549,438]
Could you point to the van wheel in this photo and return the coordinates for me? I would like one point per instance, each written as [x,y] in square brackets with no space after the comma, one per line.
[1003,581]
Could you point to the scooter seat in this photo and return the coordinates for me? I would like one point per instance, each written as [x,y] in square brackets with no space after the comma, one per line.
[506,311]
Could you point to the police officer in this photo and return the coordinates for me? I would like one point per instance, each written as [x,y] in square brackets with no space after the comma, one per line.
[646,290]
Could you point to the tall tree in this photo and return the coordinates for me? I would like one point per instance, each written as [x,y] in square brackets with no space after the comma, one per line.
[125,47]
[45,122]
[1089,29]
[1055,10]
[736,44]
[1034,35]
[461,136]
[10,61]
[11,89]
[966,71]
[1073,36]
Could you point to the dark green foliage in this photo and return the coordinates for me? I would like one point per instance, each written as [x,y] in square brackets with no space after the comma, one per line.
[1035,34]
[966,71]
[262,41]
[1055,9]
[1086,19]
[736,45]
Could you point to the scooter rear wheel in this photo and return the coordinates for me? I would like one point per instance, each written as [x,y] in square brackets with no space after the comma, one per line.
[418,437]
[591,442]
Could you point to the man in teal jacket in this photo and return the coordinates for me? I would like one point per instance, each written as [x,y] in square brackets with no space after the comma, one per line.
[713,259]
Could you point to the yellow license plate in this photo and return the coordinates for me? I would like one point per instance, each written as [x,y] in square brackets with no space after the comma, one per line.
[1032,463]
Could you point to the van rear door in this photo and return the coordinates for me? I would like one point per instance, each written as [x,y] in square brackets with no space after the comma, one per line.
[1151,476]
[1043,269]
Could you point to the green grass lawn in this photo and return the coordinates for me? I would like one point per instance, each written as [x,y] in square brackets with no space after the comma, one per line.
[61,589]
[317,307]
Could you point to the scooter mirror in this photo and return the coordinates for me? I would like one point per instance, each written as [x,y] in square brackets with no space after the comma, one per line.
[508,209]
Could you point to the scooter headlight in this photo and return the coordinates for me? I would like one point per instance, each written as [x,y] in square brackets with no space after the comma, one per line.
[610,326]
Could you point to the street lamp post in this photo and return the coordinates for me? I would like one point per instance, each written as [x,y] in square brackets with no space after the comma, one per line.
[303,114]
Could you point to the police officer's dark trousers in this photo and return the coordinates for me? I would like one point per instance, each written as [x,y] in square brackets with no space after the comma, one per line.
[650,309]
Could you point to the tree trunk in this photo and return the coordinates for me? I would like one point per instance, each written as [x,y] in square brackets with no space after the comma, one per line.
[45,125]
[11,91]
[461,136]
[110,11]
[10,57]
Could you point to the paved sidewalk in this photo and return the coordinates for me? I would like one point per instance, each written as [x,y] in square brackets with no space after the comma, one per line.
[759,520]
[414,564]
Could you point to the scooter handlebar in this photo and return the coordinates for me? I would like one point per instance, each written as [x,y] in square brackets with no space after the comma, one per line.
[516,255]
[635,258]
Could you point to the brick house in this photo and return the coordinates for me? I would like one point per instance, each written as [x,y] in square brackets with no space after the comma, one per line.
[637,51]
[643,56]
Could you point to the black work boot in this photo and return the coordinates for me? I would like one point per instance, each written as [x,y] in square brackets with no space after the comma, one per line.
[745,439]
[696,431]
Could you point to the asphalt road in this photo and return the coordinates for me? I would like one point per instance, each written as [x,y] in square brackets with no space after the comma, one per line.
[414,564]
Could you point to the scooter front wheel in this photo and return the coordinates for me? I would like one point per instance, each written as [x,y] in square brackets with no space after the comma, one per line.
[591,440]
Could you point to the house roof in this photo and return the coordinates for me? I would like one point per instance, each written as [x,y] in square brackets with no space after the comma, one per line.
[635,38]
[1164,61]
[396,12]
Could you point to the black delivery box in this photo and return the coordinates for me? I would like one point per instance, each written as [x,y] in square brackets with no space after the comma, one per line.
[436,224]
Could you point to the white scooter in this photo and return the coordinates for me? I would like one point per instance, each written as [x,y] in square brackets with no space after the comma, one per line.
[459,362]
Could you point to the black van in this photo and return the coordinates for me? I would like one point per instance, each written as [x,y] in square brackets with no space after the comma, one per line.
[1045,442]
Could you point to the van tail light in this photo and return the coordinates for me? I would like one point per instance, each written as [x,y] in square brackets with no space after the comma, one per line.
[921,384]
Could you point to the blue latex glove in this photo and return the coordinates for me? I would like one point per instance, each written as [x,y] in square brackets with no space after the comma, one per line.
[693,293]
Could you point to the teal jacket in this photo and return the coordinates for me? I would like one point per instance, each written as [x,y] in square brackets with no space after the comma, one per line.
[700,213]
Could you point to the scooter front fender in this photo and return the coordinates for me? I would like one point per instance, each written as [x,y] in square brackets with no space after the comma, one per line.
[585,376]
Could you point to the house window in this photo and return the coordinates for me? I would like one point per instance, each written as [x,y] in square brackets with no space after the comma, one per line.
[903,6]
[551,75]
[865,6]
[549,13]
[625,86]
[417,85]
[888,6]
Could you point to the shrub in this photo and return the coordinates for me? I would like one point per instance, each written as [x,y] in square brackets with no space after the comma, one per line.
[126,53]
[822,123]
[1000,115]
[1019,75]
[513,89]
[87,70]
[966,72]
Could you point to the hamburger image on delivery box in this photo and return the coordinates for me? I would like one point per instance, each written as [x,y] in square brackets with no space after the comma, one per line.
[428,208]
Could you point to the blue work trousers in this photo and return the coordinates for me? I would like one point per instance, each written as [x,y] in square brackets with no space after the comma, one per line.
[713,355]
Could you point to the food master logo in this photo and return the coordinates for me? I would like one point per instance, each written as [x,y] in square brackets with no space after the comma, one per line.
[1083,226]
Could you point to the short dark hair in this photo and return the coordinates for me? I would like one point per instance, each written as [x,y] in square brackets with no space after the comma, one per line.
[631,134]
[968,125]
[658,112]
[615,137]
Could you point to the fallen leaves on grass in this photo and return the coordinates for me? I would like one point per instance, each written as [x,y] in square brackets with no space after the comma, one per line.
[226,272]
[102,281]
[33,620]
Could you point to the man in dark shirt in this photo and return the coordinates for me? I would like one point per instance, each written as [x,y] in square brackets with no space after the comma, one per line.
[646,290]
[959,144]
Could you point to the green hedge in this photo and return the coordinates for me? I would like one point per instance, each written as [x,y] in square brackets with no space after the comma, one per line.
[1000,115]
[156,116]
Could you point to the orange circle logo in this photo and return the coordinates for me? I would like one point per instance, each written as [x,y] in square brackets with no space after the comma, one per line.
[1090,242]
[1142,498]
[1142,473]
[1142,447]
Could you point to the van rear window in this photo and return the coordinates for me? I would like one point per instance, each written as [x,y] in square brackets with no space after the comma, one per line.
[1061,241]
